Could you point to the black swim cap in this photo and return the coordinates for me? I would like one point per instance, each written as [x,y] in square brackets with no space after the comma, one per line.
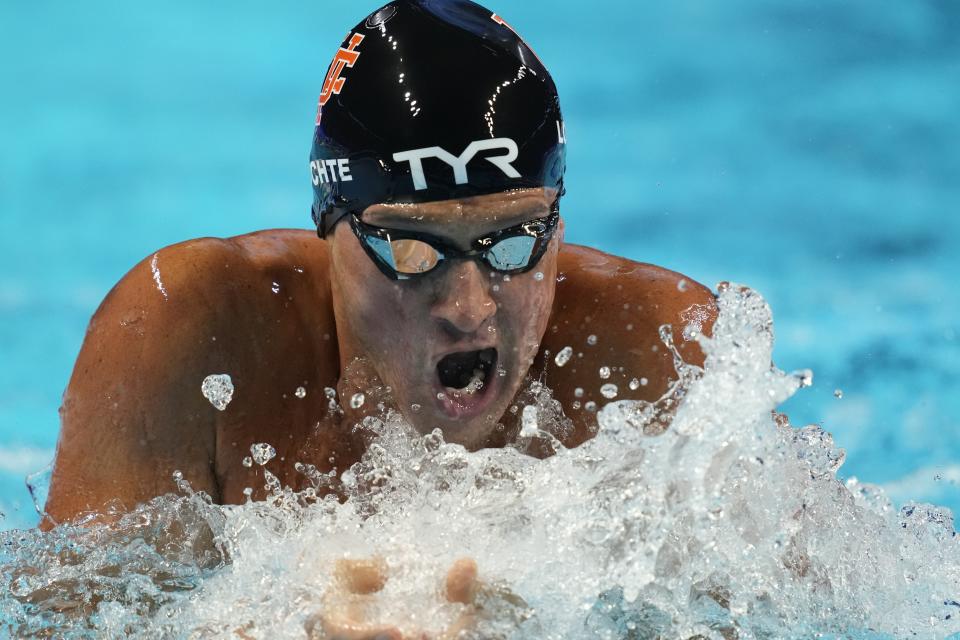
[431,100]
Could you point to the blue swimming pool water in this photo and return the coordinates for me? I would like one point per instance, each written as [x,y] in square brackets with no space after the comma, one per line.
[808,150]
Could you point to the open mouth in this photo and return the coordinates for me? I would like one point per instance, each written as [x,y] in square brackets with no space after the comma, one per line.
[466,371]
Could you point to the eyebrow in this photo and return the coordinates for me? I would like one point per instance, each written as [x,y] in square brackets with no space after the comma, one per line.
[520,210]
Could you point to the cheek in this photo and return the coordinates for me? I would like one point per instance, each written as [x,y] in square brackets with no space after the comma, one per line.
[381,313]
[526,306]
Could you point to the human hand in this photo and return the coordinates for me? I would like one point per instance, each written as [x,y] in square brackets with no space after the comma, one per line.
[354,589]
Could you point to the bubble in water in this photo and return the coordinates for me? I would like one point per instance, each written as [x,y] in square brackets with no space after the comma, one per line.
[357,400]
[578,392]
[441,395]
[561,277]
[538,276]
[506,277]
[495,288]
[590,406]
[218,389]
[415,407]
[604,372]
[838,393]
[609,390]
[300,393]
[805,377]
[634,384]
[682,285]
[247,461]
[262,453]
[643,382]
[563,357]
[275,287]
[591,340]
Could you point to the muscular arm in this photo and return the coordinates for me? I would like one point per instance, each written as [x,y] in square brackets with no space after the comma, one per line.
[133,412]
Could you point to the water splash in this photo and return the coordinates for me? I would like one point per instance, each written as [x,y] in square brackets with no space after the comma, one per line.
[730,523]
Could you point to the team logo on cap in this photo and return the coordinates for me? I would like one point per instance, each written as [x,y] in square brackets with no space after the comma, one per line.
[459,163]
[333,84]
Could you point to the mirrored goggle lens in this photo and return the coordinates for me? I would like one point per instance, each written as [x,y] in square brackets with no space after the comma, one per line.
[512,253]
[405,256]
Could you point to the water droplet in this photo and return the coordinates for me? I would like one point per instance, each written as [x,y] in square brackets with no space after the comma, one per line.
[218,389]
[247,461]
[643,382]
[609,390]
[262,453]
[39,486]
[838,393]
[590,406]
[576,404]
[604,372]
[591,340]
[682,285]
[578,392]
[357,400]
[564,356]
[415,407]
[538,276]
[330,392]
[528,421]
[634,384]
[300,392]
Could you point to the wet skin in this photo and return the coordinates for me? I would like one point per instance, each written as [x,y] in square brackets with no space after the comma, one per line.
[282,309]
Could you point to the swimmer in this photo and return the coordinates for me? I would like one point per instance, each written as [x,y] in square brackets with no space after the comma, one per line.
[439,286]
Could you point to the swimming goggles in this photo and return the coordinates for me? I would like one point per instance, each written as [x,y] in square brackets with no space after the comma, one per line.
[403,255]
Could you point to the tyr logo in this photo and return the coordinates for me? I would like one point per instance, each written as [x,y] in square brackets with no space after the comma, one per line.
[415,158]
[333,84]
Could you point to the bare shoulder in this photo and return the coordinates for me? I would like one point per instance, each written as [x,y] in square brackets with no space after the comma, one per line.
[609,311]
[255,306]
[608,294]
[207,264]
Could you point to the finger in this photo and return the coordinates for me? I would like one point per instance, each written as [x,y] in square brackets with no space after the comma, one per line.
[462,581]
[361,577]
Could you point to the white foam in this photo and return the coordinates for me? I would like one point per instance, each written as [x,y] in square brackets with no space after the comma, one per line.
[727,522]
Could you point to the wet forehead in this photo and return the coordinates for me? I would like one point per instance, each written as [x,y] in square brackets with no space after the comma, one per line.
[480,213]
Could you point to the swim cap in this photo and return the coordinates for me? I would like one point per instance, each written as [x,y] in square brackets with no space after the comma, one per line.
[431,100]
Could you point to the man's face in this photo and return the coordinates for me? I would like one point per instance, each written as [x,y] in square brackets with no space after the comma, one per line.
[454,344]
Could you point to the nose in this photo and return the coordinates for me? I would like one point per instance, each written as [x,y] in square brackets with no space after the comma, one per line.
[463,301]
